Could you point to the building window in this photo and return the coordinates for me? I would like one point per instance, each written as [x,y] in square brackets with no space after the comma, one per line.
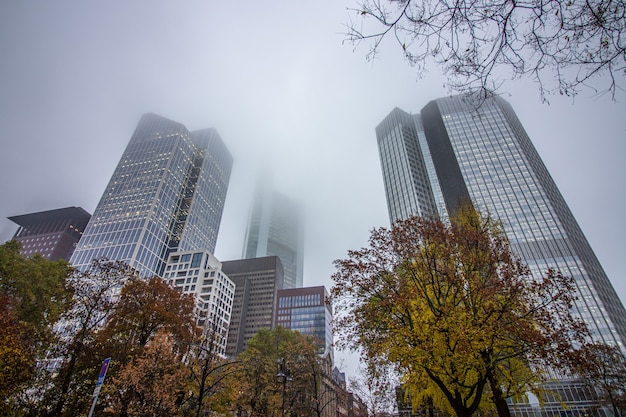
[196,260]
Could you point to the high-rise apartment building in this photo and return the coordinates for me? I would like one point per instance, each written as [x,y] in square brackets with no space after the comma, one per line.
[275,229]
[200,274]
[53,233]
[257,282]
[306,310]
[454,152]
[166,194]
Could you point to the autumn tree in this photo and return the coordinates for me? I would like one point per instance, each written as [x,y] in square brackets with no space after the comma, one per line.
[36,287]
[603,368]
[375,386]
[261,394]
[318,395]
[72,363]
[461,319]
[17,358]
[155,377]
[34,293]
[145,308]
[211,377]
[561,45]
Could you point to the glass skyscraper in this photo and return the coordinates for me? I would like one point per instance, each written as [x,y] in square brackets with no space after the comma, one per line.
[275,229]
[166,194]
[407,182]
[454,151]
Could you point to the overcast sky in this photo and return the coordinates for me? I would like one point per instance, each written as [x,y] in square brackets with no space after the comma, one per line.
[282,89]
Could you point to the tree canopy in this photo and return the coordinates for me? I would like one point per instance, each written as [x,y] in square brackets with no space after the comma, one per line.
[149,320]
[154,379]
[261,394]
[34,293]
[603,368]
[36,288]
[458,315]
[561,45]
[212,379]
[64,384]
[144,325]
[17,357]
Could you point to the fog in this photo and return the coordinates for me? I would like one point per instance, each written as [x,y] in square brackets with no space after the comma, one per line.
[283,90]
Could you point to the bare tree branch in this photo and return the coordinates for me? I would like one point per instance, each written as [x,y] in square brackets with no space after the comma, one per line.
[562,45]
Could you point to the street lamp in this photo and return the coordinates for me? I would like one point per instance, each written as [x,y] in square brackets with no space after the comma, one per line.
[282,376]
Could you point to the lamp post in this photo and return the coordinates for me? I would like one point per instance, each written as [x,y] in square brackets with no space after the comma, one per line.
[282,376]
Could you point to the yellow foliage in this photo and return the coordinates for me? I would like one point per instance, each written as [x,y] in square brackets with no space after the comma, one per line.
[451,308]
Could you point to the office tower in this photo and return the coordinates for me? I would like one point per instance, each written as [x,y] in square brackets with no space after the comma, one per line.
[405,173]
[257,282]
[306,310]
[199,273]
[52,233]
[275,229]
[166,194]
[483,155]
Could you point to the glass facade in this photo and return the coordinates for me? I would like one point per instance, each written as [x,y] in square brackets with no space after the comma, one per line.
[275,229]
[306,310]
[505,177]
[166,194]
[405,171]
[484,155]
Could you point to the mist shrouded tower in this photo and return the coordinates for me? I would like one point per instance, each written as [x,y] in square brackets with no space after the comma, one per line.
[166,194]
[275,229]
[453,152]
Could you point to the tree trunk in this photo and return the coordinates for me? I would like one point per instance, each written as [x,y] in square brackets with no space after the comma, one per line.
[65,384]
[430,407]
[201,393]
[501,406]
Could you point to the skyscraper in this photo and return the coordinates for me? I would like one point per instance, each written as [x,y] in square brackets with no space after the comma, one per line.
[483,155]
[166,194]
[275,229]
[52,233]
[407,182]
[257,282]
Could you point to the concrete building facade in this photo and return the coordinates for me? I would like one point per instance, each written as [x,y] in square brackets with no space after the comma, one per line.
[257,282]
[200,274]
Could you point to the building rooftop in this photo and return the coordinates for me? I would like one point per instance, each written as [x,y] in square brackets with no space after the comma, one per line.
[77,213]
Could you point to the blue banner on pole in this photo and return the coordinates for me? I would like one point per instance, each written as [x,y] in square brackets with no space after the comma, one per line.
[103,371]
[96,391]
